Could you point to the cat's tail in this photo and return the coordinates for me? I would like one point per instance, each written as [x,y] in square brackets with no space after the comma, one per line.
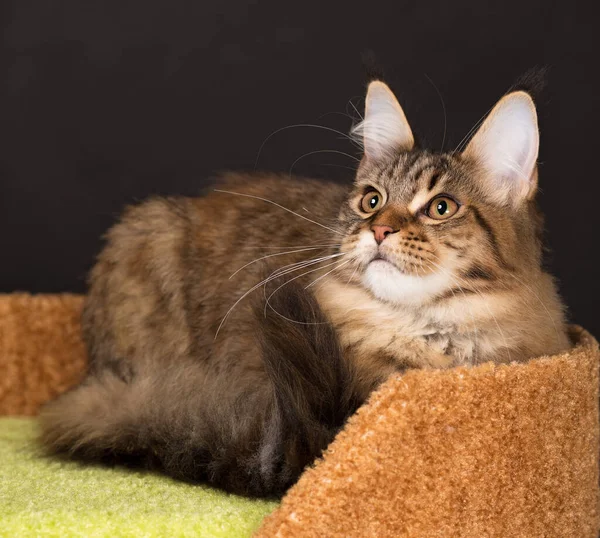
[183,419]
[313,383]
[100,417]
[177,419]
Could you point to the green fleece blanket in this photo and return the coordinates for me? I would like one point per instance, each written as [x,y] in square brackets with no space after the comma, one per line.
[41,496]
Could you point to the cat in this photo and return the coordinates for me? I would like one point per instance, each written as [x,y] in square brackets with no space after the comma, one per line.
[230,336]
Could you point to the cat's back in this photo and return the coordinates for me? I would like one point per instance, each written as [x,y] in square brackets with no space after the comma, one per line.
[153,288]
[138,268]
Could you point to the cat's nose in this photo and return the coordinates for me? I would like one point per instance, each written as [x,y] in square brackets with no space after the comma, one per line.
[381,231]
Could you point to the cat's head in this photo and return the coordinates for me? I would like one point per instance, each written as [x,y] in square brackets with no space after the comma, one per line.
[420,225]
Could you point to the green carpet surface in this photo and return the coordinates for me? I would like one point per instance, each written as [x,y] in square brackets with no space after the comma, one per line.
[41,496]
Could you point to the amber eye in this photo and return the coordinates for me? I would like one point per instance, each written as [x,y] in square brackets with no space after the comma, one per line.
[371,202]
[441,208]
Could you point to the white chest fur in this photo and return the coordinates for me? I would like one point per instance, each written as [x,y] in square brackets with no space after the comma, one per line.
[433,335]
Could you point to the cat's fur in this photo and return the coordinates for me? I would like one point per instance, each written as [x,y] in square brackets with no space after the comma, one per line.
[246,397]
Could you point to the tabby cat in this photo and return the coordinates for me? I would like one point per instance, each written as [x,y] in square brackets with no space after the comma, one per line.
[230,336]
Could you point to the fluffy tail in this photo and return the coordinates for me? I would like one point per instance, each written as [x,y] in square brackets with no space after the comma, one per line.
[105,418]
[192,424]
[175,418]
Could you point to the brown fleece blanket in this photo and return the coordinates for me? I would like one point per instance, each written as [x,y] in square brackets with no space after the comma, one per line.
[492,451]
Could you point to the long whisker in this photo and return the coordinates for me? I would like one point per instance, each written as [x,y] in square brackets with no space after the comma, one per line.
[339,166]
[301,264]
[265,281]
[281,207]
[328,273]
[290,268]
[355,269]
[321,151]
[326,151]
[300,275]
[354,107]
[336,113]
[268,304]
[292,246]
[476,126]
[443,109]
[299,125]
[273,255]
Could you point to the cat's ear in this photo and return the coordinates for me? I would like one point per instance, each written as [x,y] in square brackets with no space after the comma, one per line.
[506,148]
[384,130]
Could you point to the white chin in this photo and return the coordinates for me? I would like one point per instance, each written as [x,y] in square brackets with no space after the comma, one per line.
[391,285]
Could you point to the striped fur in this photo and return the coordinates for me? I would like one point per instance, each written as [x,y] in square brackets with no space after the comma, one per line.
[485,295]
[199,369]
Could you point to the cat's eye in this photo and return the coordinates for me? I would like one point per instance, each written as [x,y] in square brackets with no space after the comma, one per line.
[372,201]
[441,207]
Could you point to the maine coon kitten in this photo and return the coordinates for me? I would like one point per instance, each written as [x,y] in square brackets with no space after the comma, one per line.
[201,368]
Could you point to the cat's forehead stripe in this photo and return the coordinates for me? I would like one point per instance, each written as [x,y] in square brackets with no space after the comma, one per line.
[410,160]
[387,171]
[419,200]
[414,177]
[433,180]
[418,166]
[420,180]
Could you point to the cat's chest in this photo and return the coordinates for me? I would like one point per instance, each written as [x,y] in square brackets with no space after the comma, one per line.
[375,331]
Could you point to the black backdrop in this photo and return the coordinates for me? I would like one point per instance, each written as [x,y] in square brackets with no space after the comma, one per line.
[105,102]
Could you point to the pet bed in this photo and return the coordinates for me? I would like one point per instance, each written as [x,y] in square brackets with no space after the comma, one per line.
[490,451]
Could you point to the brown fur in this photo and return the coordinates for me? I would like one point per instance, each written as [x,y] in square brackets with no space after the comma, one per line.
[190,375]
[500,304]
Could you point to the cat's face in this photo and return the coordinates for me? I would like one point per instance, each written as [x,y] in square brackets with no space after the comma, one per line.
[420,225]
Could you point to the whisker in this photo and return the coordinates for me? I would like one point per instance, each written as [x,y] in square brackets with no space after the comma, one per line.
[328,273]
[299,125]
[354,273]
[339,166]
[268,304]
[265,281]
[300,265]
[465,139]
[293,246]
[271,256]
[305,262]
[281,207]
[300,275]
[321,151]
[290,268]
[354,107]
[443,109]
[336,113]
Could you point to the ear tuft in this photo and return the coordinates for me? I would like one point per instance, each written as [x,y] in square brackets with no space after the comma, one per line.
[384,130]
[506,147]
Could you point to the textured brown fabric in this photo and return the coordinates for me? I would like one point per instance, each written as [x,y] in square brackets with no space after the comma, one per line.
[41,351]
[492,451]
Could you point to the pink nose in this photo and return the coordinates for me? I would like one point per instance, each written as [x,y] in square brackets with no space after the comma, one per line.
[381,232]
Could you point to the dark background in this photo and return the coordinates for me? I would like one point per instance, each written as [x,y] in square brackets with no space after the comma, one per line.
[103,103]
